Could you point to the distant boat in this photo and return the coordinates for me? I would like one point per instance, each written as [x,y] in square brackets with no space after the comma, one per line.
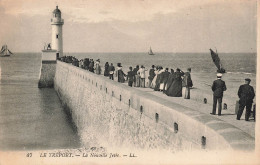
[150,52]
[5,52]
[216,60]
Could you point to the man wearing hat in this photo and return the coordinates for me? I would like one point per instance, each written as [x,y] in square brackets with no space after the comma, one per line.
[187,83]
[218,89]
[111,70]
[246,96]
[141,73]
[137,77]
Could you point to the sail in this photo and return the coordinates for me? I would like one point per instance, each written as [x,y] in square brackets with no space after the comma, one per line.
[10,52]
[2,50]
[215,59]
[5,51]
[150,52]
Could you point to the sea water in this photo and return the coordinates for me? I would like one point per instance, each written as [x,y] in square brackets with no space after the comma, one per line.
[237,65]
[244,63]
[30,118]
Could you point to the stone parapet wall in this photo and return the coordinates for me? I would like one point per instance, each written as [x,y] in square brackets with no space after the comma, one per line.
[113,114]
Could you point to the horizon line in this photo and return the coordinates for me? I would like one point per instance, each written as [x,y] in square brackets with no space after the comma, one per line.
[137,52]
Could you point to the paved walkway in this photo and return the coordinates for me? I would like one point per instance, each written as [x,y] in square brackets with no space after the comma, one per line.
[196,103]
[198,93]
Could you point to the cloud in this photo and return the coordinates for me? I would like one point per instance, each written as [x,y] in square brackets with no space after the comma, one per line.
[134,25]
[107,10]
[96,10]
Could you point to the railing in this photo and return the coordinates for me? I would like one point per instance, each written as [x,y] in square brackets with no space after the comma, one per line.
[57,21]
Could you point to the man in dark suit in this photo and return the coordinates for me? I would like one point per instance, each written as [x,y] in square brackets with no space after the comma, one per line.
[130,77]
[218,88]
[246,96]
[137,77]
[111,70]
[187,83]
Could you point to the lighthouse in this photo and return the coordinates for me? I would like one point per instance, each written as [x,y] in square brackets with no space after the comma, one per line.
[56,23]
[52,52]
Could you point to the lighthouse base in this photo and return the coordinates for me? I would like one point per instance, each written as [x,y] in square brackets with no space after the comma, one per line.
[47,75]
[48,69]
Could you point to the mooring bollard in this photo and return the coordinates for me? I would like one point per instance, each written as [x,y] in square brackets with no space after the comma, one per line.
[175,127]
[225,106]
[203,142]
[156,117]
[141,109]
[205,101]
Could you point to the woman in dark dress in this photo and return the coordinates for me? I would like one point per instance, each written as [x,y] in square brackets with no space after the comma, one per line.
[175,89]
[86,63]
[106,72]
[120,74]
[170,80]
[91,66]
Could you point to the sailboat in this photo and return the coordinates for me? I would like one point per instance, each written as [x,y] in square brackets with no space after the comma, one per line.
[5,51]
[150,51]
[216,61]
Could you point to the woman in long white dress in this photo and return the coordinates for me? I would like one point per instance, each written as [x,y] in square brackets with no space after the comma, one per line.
[161,81]
[156,71]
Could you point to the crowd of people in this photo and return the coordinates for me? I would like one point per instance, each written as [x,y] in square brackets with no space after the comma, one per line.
[170,82]
[70,59]
[160,79]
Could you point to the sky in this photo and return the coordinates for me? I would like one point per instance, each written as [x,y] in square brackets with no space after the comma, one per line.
[132,25]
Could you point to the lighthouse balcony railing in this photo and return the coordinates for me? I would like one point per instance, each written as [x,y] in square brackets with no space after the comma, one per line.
[57,20]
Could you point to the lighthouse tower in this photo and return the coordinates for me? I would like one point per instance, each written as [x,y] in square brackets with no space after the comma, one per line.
[57,22]
[52,52]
